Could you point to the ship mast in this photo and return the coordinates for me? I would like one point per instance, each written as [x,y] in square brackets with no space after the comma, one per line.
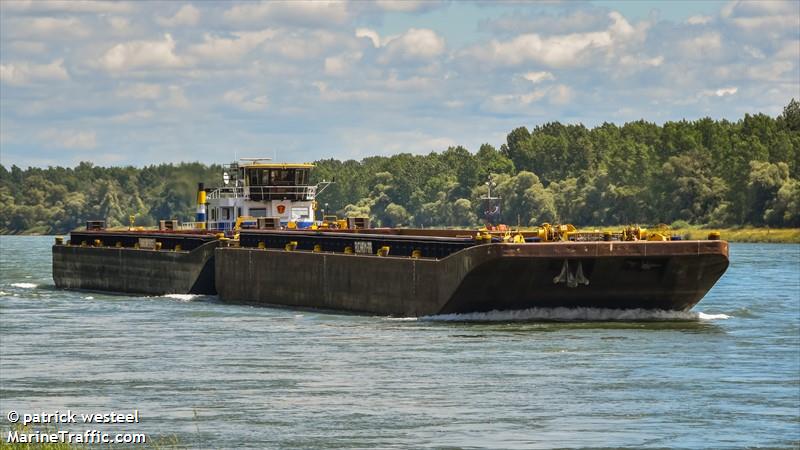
[491,205]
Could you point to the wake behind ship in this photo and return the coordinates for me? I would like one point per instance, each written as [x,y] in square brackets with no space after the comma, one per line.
[257,240]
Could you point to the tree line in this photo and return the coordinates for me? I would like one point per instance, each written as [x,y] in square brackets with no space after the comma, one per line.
[703,172]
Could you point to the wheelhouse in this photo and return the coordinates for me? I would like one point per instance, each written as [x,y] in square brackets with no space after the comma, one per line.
[256,187]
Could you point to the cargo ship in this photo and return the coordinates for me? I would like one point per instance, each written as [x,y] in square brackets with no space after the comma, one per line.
[258,239]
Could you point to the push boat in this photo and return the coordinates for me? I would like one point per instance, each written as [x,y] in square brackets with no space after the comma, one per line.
[257,239]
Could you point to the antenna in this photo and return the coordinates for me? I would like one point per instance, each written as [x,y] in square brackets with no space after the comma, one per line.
[491,205]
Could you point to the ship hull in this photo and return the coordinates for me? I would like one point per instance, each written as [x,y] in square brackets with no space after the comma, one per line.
[620,275]
[625,279]
[138,271]
[453,275]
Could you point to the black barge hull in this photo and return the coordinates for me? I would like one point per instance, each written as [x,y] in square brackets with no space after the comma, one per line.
[421,275]
[138,271]
[619,275]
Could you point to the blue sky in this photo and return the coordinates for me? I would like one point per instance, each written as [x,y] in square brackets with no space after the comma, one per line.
[150,82]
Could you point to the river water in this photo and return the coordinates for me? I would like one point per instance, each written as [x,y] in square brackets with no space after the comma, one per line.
[204,374]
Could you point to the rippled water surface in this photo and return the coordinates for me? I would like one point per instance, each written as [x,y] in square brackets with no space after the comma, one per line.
[212,375]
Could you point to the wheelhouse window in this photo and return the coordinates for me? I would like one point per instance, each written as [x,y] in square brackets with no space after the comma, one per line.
[277,177]
[301,177]
[282,177]
[258,177]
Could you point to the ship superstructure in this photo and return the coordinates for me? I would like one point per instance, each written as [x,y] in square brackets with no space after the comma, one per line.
[258,187]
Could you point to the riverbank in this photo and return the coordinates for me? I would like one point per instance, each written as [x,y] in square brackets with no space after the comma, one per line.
[747,234]
[736,234]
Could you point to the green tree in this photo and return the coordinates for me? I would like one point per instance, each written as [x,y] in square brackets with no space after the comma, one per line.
[764,182]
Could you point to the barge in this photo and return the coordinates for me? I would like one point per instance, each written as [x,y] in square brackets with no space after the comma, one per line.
[262,244]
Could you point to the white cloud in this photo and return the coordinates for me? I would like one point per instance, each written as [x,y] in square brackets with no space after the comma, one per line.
[141,55]
[49,27]
[565,50]
[69,6]
[142,91]
[704,46]
[132,116]
[306,45]
[22,73]
[772,71]
[404,5]
[638,62]
[414,44]
[372,35]
[361,142]
[538,77]
[765,16]
[414,84]
[561,95]
[176,98]
[558,51]
[620,28]
[558,95]
[306,13]
[242,100]
[754,52]
[28,47]
[336,66]
[721,92]
[531,97]
[789,51]
[120,24]
[187,15]
[699,20]
[220,49]
[340,65]
[337,95]
[540,22]
[72,139]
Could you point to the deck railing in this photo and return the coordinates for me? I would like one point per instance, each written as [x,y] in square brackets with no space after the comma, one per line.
[264,192]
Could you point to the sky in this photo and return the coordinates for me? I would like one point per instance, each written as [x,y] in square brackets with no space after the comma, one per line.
[139,83]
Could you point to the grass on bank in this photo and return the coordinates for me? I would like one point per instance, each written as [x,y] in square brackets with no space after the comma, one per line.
[745,234]
[737,234]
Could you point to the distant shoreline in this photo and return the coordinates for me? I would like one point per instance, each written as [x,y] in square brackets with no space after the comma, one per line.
[738,234]
[756,235]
